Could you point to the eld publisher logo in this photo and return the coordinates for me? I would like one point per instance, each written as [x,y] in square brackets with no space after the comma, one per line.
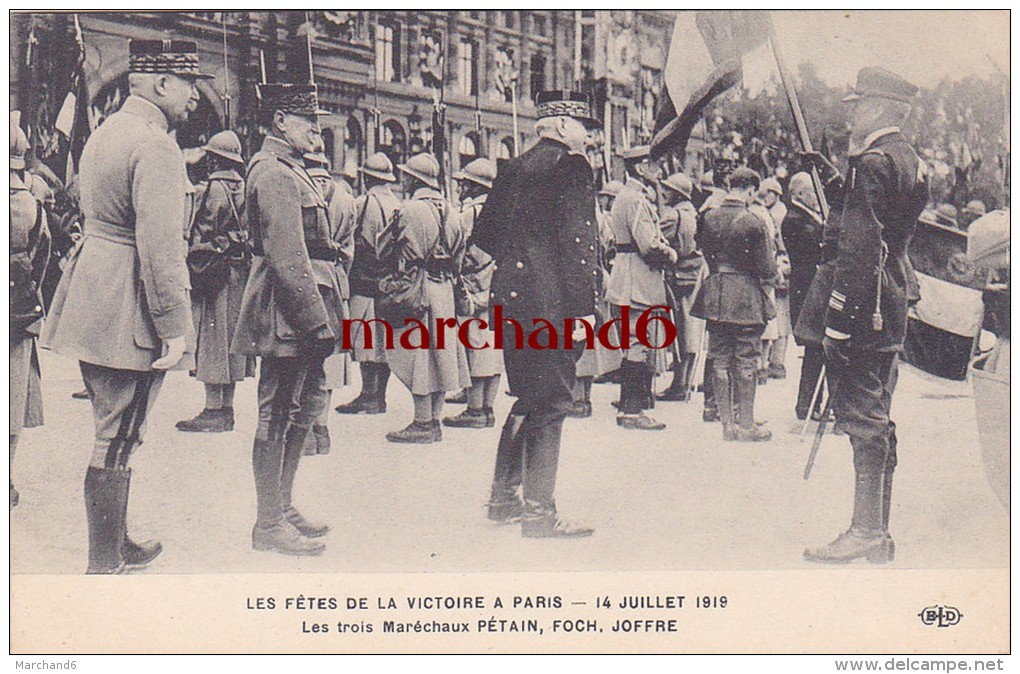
[940,616]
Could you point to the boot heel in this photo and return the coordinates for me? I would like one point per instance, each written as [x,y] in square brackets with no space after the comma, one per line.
[882,553]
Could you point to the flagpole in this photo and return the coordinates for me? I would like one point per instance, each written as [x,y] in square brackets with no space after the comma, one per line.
[225,96]
[308,42]
[513,101]
[798,115]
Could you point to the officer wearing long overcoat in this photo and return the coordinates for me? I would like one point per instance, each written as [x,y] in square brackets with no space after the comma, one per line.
[539,225]
[218,229]
[375,211]
[741,261]
[857,304]
[123,298]
[291,312]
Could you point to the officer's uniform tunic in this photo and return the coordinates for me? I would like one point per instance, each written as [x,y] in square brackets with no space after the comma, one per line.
[126,288]
[866,239]
[342,221]
[375,210]
[431,236]
[292,308]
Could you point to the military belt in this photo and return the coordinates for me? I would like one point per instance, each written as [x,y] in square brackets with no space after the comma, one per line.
[628,248]
[314,252]
[109,231]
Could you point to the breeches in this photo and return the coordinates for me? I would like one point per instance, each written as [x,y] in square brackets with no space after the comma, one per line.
[862,399]
[291,391]
[736,348]
[121,401]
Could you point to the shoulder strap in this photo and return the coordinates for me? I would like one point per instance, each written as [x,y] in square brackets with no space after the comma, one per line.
[441,223]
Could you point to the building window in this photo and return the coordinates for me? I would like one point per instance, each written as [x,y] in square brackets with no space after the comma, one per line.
[649,100]
[540,24]
[467,71]
[329,145]
[393,142]
[510,19]
[537,74]
[505,149]
[387,52]
[352,147]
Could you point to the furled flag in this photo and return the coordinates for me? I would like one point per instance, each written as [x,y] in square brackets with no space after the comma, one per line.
[704,60]
[73,118]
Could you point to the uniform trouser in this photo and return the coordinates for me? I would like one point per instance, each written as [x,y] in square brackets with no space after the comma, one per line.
[121,401]
[733,347]
[862,398]
[291,393]
[529,448]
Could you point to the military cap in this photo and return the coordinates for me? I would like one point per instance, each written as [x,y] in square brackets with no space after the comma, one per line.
[611,189]
[424,167]
[317,165]
[564,102]
[174,57]
[292,99]
[679,183]
[772,185]
[975,207]
[744,177]
[379,166]
[19,147]
[877,82]
[225,144]
[480,171]
[706,182]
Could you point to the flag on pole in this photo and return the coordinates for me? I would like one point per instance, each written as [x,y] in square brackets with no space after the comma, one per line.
[73,119]
[705,55]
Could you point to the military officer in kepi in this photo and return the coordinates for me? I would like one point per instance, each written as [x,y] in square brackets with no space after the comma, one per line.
[218,259]
[636,281]
[122,307]
[291,312]
[472,301]
[539,225]
[375,211]
[741,261]
[857,304]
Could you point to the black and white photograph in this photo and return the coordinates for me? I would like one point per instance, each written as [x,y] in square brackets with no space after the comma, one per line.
[511,331]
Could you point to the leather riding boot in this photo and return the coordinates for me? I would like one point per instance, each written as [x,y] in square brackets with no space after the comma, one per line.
[104,508]
[724,401]
[711,409]
[678,387]
[136,554]
[292,451]
[272,532]
[648,388]
[382,379]
[748,430]
[866,538]
[505,505]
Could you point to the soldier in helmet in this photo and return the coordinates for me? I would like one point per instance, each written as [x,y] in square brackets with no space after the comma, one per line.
[29,255]
[291,312]
[430,237]
[122,307]
[219,259]
[679,222]
[485,365]
[857,305]
[375,211]
[341,223]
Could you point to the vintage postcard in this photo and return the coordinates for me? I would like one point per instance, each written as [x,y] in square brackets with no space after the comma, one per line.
[510,331]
